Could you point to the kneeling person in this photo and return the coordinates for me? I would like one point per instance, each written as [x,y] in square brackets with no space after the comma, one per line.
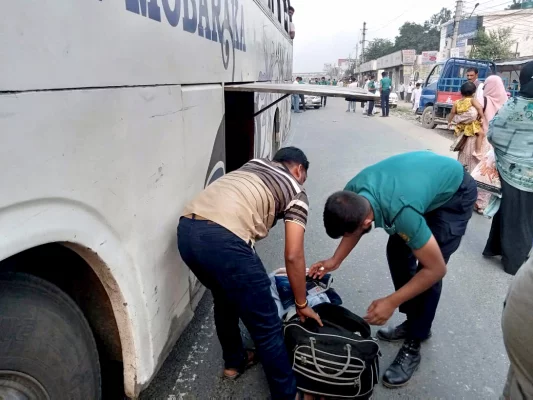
[216,237]
[424,202]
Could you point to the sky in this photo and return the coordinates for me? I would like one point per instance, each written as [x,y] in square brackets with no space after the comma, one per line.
[329,30]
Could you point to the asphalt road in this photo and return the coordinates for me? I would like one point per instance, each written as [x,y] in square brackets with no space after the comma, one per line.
[465,358]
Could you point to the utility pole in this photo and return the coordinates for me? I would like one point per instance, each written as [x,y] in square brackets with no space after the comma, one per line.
[363,42]
[457,19]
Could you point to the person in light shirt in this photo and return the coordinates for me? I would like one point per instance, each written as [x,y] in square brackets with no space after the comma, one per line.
[417,94]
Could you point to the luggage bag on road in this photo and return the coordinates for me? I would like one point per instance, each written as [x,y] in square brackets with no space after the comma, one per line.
[338,360]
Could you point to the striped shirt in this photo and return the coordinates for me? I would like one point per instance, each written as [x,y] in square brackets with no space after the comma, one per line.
[250,200]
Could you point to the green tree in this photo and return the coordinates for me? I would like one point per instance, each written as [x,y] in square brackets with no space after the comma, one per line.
[417,37]
[494,45]
[436,20]
[378,48]
[517,5]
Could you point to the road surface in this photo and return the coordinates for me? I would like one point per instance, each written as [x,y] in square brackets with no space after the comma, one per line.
[465,358]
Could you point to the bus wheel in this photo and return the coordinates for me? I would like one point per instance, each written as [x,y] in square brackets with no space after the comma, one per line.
[428,118]
[47,349]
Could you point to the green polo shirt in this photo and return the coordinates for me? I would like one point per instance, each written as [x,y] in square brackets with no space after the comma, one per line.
[402,188]
[386,83]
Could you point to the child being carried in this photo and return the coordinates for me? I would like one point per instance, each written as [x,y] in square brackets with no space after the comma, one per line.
[467,115]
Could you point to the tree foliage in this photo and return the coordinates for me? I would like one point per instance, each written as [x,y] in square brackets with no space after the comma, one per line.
[494,45]
[517,5]
[411,36]
[378,48]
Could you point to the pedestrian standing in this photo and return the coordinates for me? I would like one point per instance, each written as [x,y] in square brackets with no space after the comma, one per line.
[410,88]
[371,89]
[424,201]
[296,98]
[517,326]
[351,103]
[416,95]
[216,238]
[324,99]
[302,97]
[385,87]
[401,90]
[511,135]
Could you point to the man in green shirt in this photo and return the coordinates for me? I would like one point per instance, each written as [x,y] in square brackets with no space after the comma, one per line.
[424,202]
[324,98]
[371,86]
[385,89]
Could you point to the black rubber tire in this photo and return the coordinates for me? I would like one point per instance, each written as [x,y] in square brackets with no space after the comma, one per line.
[317,107]
[45,335]
[427,119]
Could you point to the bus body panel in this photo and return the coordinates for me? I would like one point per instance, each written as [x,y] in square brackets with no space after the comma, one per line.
[111,121]
[134,42]
[111,170]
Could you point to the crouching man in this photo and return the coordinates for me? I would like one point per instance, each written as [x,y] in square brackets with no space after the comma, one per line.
[424,202]
[216,237]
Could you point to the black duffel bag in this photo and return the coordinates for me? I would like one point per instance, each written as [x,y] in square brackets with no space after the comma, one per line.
[338,360]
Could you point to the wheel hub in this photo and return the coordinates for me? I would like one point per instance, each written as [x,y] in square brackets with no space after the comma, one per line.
[19,386]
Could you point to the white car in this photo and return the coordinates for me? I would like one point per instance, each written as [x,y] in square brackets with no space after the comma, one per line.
[312,101]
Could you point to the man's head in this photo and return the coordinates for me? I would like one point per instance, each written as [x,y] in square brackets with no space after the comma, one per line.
[291,11]
[472,74]
[296,162]
[418,85]
[385,74]
[468,89]
[372,77]
[323,78]
[347,213]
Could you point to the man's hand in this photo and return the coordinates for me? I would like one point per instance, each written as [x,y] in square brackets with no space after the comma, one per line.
[380,311]
[321,268]
[308,312]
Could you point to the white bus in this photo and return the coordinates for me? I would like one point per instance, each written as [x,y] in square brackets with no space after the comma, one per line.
[113,114]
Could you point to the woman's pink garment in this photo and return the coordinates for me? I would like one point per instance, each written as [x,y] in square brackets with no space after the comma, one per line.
[494,92]
[496,95]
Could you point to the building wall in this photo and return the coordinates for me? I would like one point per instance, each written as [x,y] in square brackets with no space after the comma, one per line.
[520,21]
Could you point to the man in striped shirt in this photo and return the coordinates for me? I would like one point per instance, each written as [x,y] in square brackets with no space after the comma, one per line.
[216,237]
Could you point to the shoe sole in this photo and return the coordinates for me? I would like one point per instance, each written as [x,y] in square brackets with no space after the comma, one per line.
[398,340]
[391,386]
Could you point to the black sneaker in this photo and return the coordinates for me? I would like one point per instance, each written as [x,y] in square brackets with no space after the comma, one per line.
[404,365]
[395,333]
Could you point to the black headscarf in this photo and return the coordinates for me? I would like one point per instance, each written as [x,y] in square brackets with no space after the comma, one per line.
[526,81]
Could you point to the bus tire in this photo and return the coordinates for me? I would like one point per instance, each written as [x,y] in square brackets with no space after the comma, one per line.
[428,118]
[47,349]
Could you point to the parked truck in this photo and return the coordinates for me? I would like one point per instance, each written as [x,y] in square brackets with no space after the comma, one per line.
[443,87]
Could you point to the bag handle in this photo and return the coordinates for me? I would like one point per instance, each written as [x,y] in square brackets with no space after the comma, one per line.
[348,350]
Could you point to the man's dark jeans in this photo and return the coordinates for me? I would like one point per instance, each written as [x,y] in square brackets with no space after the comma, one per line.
[385,97]
[371,107]
[231,269]
[448,224]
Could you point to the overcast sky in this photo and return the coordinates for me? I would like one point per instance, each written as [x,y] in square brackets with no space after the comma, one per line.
[329,30]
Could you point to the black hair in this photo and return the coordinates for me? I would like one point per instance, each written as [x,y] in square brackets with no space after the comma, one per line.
[323,77]
[291,8]
[344,213]
[385,73]
[418,85]
[468,89]
[291,155]
[473,69]
[372,77]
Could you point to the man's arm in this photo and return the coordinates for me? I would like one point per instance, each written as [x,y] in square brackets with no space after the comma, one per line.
[295,259]
[345,247]
[295,265]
